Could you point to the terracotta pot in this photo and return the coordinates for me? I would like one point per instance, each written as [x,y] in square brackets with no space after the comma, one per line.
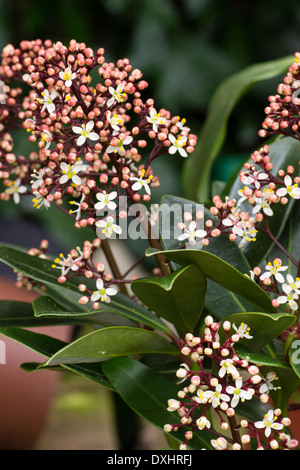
[25,397]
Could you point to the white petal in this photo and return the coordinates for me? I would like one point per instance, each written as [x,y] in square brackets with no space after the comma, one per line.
[77,129]
[76,179]
[81,140]
[111,291]
[90,126]
[99,283]
[93,136]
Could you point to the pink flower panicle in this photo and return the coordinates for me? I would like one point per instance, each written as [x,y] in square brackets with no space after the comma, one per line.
[234,381]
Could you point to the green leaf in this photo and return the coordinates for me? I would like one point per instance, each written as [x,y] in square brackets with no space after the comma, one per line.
[67,294]
[260,359]
[283,152]
[264,327]
[197,169]
[111,342]
[218,300]
[222,273]
[45,306]
[294,355]
[47,346]
[178,297]
[147,393]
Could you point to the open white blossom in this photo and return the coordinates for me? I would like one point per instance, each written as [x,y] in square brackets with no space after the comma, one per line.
[69,172]
[238,393]
[177,144]
[291,189]
[68,263]
[15,188]
[78,204]
[275,270]
[215,397]
[192,234]
[267,384]
[227,366]
[245,231]
[106,200]
[290,297]
[119,148]
[67,76]
[117,95]
[255,178]
[47,101]
[108,227]
[102,293]
[203,422]
[269,423]
[39,201]
[242,330]
[85,132]
[155,119]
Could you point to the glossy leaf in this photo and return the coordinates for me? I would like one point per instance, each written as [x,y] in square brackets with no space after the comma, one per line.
[294,355]
[283,152]
[263,327]
[199,164]
[47,346]
[66,294]
[178,297]
[147,392]
[222,273]
[45,306]
[111,342]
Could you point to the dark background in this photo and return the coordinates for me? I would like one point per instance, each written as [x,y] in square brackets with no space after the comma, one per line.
[185,49]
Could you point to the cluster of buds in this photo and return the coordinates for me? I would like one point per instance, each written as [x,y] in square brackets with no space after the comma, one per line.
[287,288]
[283,109]
[219,393]
[89,140]
[261,192]
[27,282]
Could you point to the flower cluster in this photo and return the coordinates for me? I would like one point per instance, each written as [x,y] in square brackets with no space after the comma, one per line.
[242,217]
[91,142]
[273,281]
[283,109]
[220,393]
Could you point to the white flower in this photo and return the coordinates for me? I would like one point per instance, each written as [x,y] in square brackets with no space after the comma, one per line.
[39,201]
[238,393]
[65,264]
[192,234]
[108,227]
[246,231]
[269,422]
[294,284]
[215,397]
[291,189]
[117,95]
[227,366]
[115,120]
[155,119]
[67,76]
[178,144]
[232,218]
[181,124]
[262,204]
[290,297]
[47,137]
[203,422]
[219,444]
[141,182]
[39,176]
[254,179]
[70,172]
[77,211]
[274,270]
[242,330]
[15,188]
[173,405]
[268,385]
[102,293]
[119,148]
[47,101]
[106,200]
[85,132]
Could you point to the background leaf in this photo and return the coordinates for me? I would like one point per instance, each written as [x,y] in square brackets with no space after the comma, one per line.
[196,178]
[147,393]
[111,342]
[178,297]
[222,273]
